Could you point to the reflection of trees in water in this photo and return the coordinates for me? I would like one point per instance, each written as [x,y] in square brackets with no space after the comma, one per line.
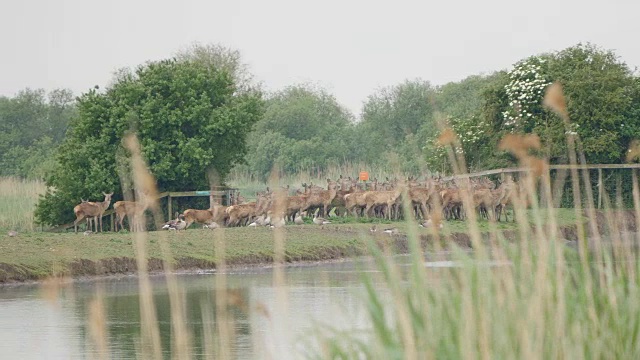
[122,308]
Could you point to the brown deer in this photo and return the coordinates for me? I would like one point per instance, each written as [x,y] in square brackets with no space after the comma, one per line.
[91,209]
[322,199]
[133,210]
[419,197]
[485,201]
[292,205]
[338,202]
[204,217]
[239,214]
[355,202]
[381,198]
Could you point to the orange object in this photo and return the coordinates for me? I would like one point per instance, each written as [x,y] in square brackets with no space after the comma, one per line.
[364,176]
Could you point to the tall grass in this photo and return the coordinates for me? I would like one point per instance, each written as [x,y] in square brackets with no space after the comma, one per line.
[550,301]
[18,198]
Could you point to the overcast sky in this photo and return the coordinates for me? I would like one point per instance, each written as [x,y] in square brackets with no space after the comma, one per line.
[351,48]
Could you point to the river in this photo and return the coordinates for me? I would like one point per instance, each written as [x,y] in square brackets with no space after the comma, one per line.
[45,324]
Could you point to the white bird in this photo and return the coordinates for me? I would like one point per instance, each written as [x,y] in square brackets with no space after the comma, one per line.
[320,221]
[253,224]
[88,232]
[12,233]
[280,222]
[390,231]
[373,229]
[212,225]
[298,219]
[177,224]
[429,223]
[259,221]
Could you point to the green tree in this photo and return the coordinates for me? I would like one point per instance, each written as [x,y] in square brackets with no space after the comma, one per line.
[603,101]
[398,111]
[463,99]
[395,122]
[190,118]
[302,127]
[602,98]
[32,125]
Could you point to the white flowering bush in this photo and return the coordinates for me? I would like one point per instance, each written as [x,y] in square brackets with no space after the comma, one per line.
[525,90]
[471,132]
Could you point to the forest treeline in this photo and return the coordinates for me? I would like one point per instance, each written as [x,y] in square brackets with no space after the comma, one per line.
[200,114]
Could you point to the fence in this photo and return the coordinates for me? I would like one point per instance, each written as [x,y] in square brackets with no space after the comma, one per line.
[600,184]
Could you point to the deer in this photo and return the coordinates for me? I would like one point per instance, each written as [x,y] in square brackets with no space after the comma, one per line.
[131,209]
[322,199]
[419,197]
[507,192]
[91,209]
[292,204]
[338,202]
[242,213]
[204,217]
[355,202]
[89,219]
[381,198]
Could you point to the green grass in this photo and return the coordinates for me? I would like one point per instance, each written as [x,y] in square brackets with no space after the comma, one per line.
[41,253]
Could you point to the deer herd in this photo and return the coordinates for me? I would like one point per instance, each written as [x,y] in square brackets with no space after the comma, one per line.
[430,200]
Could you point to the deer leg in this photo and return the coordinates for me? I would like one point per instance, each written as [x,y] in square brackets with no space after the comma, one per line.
[78,219]
[367,209]
[423,210]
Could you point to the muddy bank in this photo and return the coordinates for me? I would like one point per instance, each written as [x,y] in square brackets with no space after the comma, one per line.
[85,268]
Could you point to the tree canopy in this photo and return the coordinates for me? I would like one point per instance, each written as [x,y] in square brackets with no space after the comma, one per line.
[32,125]
[189,116]
[302,127]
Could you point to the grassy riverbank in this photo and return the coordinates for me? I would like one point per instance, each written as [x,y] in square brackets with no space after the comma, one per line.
[36,255]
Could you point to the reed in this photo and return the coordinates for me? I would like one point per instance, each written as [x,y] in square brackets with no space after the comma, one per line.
[550,301]
[18,198]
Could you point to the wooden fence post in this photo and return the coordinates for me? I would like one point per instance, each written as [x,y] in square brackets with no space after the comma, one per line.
[600,188]
[170,214]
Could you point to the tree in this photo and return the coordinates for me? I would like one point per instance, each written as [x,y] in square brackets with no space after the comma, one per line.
[463,99]
[393,123]
[398,111]
[302,127]
[603,101]
[216,56]
[31,127]
[190,118]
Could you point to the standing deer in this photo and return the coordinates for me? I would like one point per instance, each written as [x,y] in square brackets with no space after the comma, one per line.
[91,209]
[131,209]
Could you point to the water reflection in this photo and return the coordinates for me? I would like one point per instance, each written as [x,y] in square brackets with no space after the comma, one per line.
[33,327]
